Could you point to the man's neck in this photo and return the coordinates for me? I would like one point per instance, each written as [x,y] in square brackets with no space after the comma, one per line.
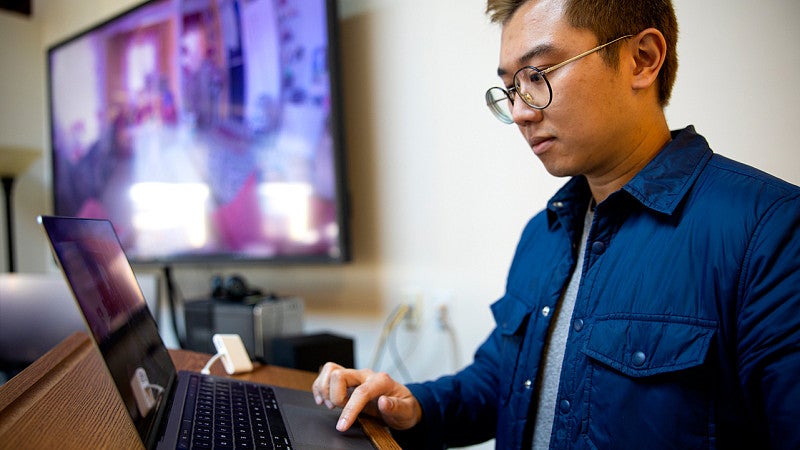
[644,147]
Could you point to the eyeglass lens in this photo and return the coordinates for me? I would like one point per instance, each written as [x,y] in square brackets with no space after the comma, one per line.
[500,104]
[532,87]
[529,84]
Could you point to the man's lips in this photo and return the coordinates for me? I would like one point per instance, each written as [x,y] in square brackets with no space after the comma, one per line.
[540,145]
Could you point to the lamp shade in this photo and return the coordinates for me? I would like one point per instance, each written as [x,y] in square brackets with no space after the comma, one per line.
[15,160]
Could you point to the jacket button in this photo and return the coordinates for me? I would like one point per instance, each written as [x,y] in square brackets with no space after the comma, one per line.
[598,247]
[638,358]
[564,406]
[577,325]
[546,311]
[528,384]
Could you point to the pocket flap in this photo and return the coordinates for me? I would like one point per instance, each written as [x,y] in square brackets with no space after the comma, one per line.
[645,346]
[509,314]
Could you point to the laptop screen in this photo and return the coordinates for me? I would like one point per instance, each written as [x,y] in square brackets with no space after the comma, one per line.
[106,290]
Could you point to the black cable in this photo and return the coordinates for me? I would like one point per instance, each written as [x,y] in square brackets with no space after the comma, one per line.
[172,301]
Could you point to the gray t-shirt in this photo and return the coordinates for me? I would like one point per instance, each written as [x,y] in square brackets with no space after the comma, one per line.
[555,347]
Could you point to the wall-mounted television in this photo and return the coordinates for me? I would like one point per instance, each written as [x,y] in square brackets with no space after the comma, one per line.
[205,130]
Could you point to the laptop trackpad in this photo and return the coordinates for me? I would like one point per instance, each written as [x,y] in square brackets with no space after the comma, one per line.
[314,427]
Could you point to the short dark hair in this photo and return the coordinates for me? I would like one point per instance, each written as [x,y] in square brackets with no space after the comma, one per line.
[610,19]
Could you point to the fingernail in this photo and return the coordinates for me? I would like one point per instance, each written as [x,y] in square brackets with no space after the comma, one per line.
[329,404]
[341,426]
[318,399]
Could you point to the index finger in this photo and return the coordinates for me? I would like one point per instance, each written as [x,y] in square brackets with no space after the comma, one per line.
[358,400]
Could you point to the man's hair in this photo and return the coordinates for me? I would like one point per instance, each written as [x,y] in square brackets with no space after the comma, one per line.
[610,19]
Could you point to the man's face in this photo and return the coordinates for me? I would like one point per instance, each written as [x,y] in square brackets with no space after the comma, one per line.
[586,128]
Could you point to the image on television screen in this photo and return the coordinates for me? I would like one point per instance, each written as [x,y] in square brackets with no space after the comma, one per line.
[204,129]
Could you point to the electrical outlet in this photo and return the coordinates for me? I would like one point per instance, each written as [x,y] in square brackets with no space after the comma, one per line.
[442,316]
[413,315]
[440,301]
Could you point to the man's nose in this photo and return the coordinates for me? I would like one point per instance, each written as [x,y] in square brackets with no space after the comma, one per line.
[522,113]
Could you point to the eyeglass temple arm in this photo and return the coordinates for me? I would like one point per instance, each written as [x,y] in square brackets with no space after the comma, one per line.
[587,52]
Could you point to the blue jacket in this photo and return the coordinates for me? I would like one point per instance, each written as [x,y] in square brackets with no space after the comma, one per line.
[686,328]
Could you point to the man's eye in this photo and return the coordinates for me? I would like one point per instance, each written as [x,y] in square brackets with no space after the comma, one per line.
[535,77]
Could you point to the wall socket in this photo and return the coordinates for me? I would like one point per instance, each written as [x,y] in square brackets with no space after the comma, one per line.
[413,316]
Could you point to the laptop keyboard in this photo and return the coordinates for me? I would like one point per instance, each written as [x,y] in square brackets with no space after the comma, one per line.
[230,414]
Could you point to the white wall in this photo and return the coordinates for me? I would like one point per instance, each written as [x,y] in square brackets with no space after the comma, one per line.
[738,77]
[440,189]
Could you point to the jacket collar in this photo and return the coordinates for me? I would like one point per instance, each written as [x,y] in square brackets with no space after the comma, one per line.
[660,186]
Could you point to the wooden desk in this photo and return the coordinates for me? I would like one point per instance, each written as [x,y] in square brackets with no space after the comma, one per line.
[67,400]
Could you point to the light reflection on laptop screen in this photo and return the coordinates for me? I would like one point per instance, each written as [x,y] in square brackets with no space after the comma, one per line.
[116,313]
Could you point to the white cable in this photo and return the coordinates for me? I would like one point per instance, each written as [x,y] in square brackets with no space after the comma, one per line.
[392,321]
[398,360]
[207,369]
[444,323]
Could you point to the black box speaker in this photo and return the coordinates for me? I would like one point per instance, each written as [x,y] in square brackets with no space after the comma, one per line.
[311,351]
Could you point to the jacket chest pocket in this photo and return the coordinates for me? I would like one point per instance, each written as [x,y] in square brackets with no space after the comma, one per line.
[511,317]
[648,382]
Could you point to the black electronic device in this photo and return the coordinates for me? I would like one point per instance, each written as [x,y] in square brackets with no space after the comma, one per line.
[236,288]
[159,400]
[311,351]
[205,130]
[257,321]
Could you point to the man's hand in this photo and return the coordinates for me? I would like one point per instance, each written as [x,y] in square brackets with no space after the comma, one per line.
[375,393]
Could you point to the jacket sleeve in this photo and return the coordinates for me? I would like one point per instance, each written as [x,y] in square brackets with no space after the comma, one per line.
[459,409]
[467,408]
[769,323]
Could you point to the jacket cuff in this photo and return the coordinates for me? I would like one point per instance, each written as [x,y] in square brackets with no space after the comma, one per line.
[427,434]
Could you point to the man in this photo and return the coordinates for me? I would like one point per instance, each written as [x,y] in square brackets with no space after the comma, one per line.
[655,303]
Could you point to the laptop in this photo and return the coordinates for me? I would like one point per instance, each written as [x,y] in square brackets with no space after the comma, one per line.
[170,409]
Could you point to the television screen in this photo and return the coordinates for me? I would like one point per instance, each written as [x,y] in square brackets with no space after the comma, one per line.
[204,130]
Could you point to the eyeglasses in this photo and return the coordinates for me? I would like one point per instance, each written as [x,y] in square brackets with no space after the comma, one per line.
[532,86]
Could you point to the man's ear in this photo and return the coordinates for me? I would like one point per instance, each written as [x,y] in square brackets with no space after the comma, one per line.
[649,55]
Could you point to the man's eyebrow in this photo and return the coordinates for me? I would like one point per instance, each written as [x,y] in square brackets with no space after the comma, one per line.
[539,50]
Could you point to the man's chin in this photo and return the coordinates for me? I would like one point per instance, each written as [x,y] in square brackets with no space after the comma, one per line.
[558,170]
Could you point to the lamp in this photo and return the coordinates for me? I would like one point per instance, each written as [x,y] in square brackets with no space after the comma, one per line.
[14,160]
